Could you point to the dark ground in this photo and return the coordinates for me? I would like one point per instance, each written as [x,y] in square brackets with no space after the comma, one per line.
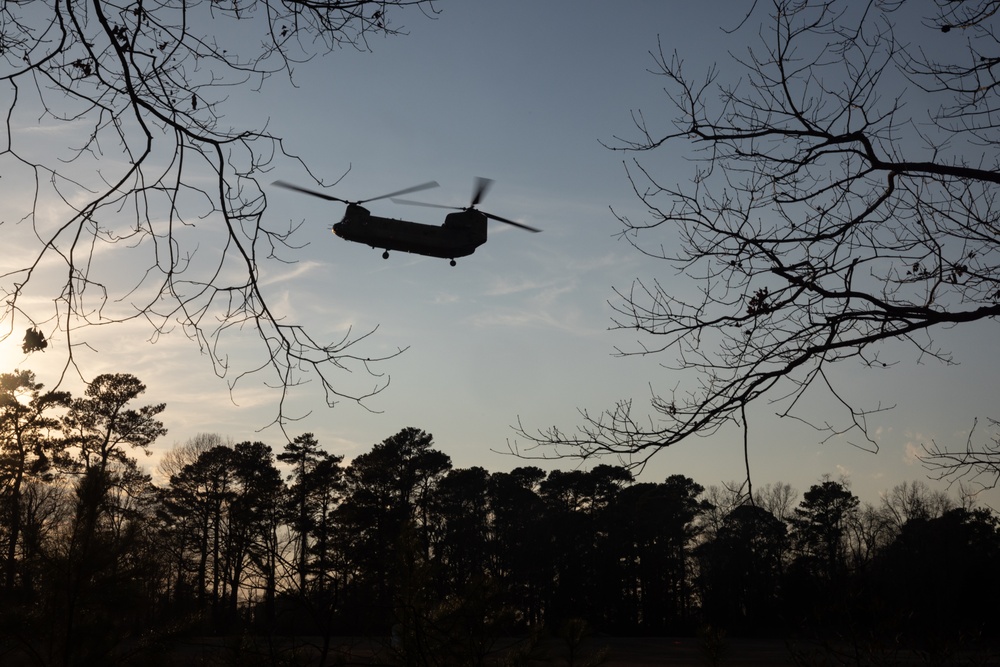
[616,652]
[593,651]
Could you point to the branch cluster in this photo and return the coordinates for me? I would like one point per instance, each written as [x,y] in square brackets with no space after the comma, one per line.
[151,209]
[843,194]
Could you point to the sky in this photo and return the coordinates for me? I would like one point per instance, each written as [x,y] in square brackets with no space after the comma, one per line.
[523,93]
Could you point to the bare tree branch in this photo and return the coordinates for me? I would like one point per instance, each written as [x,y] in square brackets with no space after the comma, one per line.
[833,206]
[151,210]
[976,464]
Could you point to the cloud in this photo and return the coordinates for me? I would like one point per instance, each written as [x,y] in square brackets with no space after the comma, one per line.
[913,449]
[547,307]
[912,453]
[516,318]
[505,286]
[294,272]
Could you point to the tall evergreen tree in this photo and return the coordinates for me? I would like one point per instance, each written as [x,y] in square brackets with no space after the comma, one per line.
[101,428]
[934,586]
[195,503]
[27,448]
[386,514]
[309,495]
[520,550]
[576,504]
[820,524]
[252,523]
[740,571]
[653,528]
[460,540]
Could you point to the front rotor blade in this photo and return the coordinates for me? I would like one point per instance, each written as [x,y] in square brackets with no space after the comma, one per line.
[510,222]
[314,193]
[416,188]
[482,187]
[410,202]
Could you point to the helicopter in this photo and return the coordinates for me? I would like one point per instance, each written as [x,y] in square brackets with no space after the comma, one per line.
[459,236]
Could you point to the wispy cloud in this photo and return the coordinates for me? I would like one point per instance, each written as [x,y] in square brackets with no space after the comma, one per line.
[912,453]
[292,272]
[523,302]
[503,286]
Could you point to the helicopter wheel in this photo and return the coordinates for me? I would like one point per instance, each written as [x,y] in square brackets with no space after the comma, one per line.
[385,255]
[453,262]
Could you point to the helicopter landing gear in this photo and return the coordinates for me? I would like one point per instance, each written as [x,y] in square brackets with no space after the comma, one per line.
[453,262]
[385,255]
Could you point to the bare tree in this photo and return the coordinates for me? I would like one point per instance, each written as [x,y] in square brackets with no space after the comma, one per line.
[146,204]
[720,501]
[975,467]
[908,501]
[843,194]
[186,453]
[778,498]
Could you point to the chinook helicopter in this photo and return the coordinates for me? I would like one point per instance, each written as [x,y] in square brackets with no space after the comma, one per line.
[459,236]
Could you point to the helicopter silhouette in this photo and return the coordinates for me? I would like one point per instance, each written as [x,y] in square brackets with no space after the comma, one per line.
[459,236]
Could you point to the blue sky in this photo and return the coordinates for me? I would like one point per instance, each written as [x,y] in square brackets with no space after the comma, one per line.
[523,93]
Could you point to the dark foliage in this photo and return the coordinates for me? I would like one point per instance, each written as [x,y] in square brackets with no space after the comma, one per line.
[936,575]
[99,564]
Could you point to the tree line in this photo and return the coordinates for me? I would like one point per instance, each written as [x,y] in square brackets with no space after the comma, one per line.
[240,538]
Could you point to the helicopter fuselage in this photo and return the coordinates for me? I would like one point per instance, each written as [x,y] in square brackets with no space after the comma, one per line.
[459,236]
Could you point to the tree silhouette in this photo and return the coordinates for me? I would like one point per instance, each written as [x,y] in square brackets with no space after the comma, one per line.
[740,571]
[224,513]
[100,428]
[153,211]
[326,487]
[255,514]
[27,449]
[448,560]
[460,514]
[194,503]
[385,516]
[310,478]
[920,580]
[820,587]
[173,461]
[651,532]
[842,196]
[521,554]
[820,525]
[576,520]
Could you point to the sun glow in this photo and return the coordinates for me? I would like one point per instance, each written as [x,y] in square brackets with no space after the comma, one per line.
[15,354]
[10,353]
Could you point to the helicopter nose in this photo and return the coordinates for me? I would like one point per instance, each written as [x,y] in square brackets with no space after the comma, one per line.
[335,227]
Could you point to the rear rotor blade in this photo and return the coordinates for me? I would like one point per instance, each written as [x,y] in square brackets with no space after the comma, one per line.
[314,193]
[482,187]
[510,222]
[416,188]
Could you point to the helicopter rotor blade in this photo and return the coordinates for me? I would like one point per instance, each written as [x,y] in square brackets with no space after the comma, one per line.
[416,188]
[307,191]
[410,202]
[482,187]
[510,222]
